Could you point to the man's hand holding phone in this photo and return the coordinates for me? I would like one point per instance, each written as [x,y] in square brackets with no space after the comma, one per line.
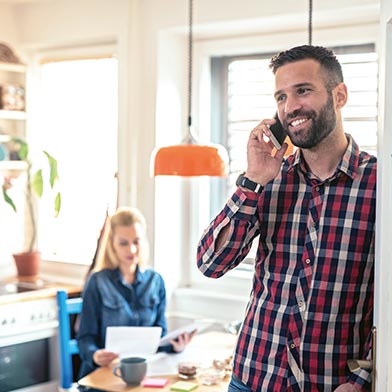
[277,133]
[263,165]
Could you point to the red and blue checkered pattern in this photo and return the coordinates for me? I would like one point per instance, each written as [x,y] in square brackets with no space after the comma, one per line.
[310,309]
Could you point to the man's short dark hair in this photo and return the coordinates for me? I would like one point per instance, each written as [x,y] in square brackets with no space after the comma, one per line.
[325,57]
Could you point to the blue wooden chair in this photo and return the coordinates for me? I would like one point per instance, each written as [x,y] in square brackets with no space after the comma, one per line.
[68,347]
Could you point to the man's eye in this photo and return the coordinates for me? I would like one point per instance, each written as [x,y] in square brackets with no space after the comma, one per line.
[303,90]
[280,98]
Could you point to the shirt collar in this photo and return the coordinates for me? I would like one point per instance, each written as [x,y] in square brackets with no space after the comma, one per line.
[347,165]
[138,277]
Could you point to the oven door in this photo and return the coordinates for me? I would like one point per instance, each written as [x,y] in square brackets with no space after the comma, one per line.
[28,361]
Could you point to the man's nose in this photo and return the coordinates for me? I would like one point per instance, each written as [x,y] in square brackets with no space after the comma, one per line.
[292,104]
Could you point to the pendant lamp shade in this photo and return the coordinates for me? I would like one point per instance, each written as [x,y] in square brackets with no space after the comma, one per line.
[190,158]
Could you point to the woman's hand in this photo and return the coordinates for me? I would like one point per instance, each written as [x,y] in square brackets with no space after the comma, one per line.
[181,341]
[103,357]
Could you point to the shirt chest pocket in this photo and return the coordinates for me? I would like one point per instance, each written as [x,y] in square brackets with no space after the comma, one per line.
[148,301]
[116,312]
[148,309]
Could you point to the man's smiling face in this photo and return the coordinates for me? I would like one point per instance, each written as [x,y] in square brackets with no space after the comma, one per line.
[306,109]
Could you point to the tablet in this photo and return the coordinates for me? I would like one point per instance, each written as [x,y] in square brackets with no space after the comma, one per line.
[179,331]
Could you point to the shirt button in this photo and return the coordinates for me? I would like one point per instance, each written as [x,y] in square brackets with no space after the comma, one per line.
[292,345]
[317,188]
[300,303]
[307,261]
[237,203]
[314,224]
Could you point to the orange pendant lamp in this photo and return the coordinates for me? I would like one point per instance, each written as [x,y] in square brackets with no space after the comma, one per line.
[190,158]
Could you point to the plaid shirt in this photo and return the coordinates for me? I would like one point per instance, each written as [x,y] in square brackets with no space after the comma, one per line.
[310,309]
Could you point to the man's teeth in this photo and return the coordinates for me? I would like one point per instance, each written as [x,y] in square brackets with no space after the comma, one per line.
[298,122]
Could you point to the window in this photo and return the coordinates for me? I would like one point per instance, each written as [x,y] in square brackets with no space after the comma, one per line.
[78,125]
[243,85]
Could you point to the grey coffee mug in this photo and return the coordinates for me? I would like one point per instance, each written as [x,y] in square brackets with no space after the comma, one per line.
[132,370]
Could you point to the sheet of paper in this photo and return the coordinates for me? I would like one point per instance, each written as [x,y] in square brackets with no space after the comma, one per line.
[133,341]
[174,334]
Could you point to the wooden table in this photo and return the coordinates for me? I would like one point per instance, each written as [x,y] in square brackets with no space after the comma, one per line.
[103,378]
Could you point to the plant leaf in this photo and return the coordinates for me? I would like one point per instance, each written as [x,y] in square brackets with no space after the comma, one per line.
[38,183]
[57,204]
[8,200]
[54,176]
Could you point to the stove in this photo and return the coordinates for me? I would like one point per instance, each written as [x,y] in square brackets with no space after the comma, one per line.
[21,287]
[28,337]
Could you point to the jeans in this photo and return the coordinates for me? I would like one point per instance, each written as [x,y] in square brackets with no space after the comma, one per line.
[236,385]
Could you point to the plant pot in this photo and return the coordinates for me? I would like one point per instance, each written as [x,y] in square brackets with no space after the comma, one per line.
[27,264]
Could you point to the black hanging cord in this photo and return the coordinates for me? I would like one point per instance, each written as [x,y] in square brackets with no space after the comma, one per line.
[310,28]
[190,60]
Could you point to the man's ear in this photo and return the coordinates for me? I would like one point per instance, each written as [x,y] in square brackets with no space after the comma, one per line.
[340,93]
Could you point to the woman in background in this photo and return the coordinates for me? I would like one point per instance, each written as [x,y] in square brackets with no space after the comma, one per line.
[121,292]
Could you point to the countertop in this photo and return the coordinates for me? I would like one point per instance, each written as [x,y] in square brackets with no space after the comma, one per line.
[41,289]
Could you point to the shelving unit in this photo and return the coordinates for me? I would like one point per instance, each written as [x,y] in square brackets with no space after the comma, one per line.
[12,115]
[13,165]
[12,122]
[10,67]
[4,138]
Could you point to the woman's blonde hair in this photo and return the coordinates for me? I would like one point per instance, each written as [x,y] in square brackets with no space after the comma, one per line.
[124,216]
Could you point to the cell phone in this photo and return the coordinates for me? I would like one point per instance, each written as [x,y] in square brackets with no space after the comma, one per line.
[278,134]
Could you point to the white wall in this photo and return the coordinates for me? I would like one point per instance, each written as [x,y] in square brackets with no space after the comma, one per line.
[9,33]
[45,23]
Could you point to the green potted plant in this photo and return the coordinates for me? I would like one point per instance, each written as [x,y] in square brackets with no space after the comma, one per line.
[27,262]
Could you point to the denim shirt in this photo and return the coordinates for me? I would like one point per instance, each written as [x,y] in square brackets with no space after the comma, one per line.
[109,301]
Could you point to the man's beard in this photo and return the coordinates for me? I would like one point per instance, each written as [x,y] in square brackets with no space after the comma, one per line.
[322,125]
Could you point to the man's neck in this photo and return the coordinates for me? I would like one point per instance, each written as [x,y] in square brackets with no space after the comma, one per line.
[324,159]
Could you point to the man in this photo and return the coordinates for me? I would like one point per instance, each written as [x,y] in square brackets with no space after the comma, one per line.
[310,309]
